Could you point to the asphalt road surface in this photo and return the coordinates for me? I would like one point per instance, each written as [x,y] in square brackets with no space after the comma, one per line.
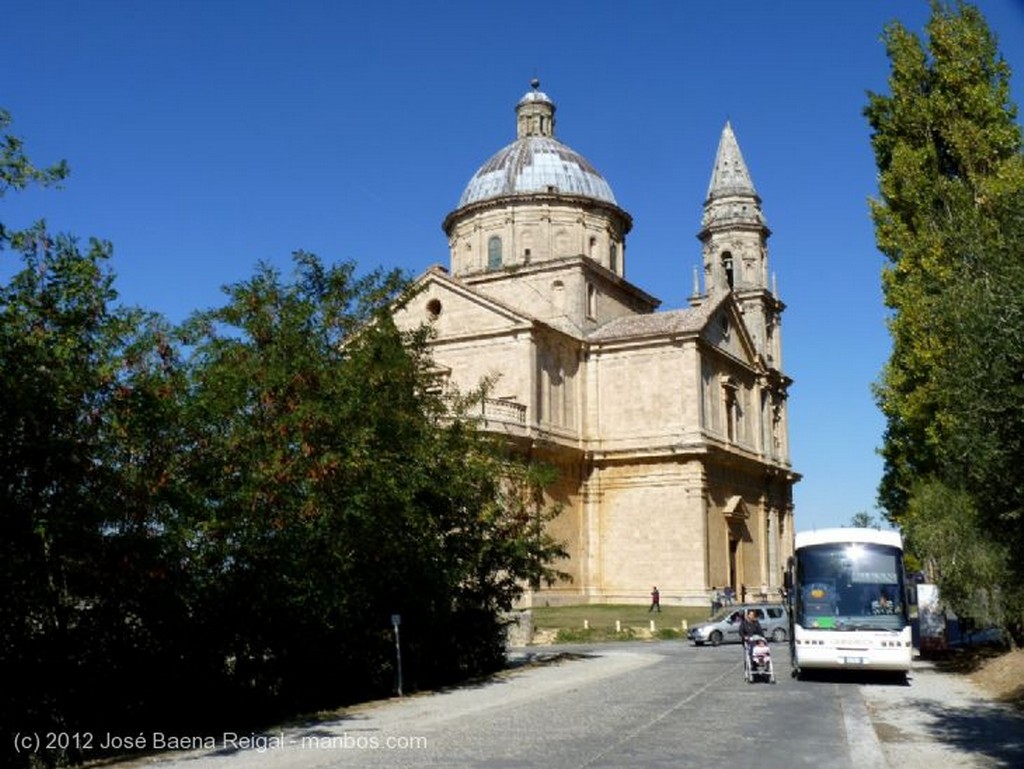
[641,705]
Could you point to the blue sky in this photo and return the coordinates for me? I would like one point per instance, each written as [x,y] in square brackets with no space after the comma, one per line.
[207,135]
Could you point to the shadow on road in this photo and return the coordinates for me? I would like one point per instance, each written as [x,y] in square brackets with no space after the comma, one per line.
[985,729]
[863,677]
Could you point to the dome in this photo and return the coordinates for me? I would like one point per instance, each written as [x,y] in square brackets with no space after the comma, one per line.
[536,162]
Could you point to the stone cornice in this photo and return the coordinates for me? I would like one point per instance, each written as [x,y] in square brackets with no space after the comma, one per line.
[563,264]
[558,199]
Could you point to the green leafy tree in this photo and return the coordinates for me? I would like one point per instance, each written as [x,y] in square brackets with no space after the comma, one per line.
[984,388]
[49,330]
[863,520]
[77,481]
[338,491]
[962,557]
[229,512]
[950,179]
[17,171]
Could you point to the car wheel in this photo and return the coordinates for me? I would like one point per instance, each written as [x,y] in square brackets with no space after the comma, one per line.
[778,635]
[715,638]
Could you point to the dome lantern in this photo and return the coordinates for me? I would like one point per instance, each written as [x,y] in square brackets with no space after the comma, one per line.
[536,162]
[535,113]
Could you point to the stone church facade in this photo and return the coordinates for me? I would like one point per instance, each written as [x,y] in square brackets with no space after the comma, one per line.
[668,428]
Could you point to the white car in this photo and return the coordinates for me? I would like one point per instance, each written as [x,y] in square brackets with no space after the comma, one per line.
[724,625]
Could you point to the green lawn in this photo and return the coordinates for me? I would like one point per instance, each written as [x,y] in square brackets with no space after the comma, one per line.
[596,622]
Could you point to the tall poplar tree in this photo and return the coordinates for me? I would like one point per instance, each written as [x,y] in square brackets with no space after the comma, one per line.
[951,178]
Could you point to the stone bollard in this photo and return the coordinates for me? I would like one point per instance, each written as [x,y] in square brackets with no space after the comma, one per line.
[586,624]
[652,625]
[618,626]
[685,626]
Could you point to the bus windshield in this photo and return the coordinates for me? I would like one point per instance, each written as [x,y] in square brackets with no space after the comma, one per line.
[850,586]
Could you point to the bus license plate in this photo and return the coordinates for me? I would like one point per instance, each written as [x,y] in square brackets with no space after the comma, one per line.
[853,660]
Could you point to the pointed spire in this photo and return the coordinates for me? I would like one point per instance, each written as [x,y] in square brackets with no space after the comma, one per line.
[733,229]
[730,175]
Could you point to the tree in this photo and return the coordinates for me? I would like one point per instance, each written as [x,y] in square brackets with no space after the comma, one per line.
[863,520]
[951,177]
[78,477]
[55,338]
[230,511]
[17,171]
[336,491]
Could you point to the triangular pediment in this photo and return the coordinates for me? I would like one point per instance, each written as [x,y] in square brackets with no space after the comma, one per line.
[726,330]
[454,309]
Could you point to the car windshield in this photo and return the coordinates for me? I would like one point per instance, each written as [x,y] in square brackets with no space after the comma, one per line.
[850,587]
[722,614]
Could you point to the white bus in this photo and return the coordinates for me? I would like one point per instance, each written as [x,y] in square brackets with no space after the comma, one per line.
[847,601]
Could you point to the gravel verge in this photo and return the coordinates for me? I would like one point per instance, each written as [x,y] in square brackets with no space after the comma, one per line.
[944,719]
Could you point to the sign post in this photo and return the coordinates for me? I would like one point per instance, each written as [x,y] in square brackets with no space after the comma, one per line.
[396,620]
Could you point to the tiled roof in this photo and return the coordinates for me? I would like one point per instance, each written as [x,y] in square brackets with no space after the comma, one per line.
[690,319]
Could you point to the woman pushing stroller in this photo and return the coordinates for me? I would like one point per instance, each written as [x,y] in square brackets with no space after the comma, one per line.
[750,625]
[757,657]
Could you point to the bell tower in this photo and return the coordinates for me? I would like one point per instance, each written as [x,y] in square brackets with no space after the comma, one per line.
[735,247]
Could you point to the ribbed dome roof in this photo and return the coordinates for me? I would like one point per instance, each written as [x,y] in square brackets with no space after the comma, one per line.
[536,161]
[536,164]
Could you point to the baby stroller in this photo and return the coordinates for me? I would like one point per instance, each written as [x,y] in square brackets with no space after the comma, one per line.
[757,660]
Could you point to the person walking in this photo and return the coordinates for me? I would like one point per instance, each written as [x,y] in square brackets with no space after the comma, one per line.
[655,600]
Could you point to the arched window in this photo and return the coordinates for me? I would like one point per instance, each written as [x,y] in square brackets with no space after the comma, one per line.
[591,301]
[494,253]
[613,257]
[727,267]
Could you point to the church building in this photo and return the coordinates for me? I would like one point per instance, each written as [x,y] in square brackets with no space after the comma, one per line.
[668,428]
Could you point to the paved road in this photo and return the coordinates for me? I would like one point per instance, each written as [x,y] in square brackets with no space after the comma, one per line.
[647,705]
